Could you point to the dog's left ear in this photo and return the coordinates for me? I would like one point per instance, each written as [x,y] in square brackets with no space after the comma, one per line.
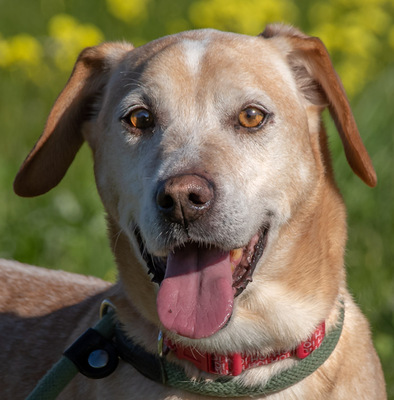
[308,56]
[55,150]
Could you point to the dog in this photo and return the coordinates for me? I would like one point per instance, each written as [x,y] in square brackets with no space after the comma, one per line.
[224,218]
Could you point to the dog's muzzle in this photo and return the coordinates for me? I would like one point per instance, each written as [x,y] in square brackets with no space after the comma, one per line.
[198,279]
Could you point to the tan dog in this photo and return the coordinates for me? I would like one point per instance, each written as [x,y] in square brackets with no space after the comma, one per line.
[212,163]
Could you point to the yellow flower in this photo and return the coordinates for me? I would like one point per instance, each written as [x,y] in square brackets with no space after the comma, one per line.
[21,50]
[128,10]
[249,16]
[4,53]
[70,37]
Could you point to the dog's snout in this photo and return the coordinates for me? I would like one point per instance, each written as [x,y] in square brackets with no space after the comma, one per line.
[184,198]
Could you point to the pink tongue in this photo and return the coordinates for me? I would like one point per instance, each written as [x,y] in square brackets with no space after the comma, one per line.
[195,298]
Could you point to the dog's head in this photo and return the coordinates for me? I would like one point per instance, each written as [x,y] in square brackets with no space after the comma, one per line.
[208,153]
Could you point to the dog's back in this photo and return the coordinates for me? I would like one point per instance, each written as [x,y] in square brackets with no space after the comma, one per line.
[40,311]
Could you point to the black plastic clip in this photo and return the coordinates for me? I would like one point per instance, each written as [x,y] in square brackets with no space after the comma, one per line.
[95,356]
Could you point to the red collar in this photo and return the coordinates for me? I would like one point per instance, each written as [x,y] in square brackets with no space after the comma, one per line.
[235,363]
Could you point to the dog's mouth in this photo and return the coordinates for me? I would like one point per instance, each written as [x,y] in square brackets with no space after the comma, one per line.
[198,283]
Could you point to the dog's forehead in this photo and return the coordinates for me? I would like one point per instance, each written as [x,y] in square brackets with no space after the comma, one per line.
[211,57]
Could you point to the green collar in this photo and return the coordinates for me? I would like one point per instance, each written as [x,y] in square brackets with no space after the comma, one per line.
[160,370]
[96,353]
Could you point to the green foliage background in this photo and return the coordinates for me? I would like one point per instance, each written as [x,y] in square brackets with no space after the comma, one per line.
[65,229]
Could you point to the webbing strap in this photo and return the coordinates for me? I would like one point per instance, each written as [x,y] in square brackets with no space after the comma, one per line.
[58,377]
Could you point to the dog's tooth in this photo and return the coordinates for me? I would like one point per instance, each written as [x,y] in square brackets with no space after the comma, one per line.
[236,254]
[235,257]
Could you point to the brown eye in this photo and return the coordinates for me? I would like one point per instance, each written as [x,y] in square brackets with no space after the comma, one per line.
[251,117]
[141,118]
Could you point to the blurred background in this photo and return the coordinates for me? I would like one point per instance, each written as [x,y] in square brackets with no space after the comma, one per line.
[65,229]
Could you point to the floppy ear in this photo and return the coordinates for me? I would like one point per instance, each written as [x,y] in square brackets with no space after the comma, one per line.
[308,56]
[55,150]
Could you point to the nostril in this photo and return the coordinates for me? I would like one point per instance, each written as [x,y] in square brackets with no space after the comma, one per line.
[164,200]
[195,199]
[199,199]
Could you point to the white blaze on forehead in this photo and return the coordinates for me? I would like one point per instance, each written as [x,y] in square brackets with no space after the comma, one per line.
[194,51]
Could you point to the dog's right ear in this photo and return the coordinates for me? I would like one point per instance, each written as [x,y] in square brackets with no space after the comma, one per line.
[55,150]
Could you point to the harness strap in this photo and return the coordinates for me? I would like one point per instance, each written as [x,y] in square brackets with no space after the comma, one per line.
[61,374]
[148,364]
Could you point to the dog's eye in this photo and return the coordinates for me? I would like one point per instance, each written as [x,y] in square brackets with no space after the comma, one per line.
[251,117]
[141,118]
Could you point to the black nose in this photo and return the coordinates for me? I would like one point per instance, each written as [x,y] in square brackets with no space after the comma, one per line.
[184,198]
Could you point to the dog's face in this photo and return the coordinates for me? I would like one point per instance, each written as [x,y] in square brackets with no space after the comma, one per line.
[207,147]
[203,156]
[194,99]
